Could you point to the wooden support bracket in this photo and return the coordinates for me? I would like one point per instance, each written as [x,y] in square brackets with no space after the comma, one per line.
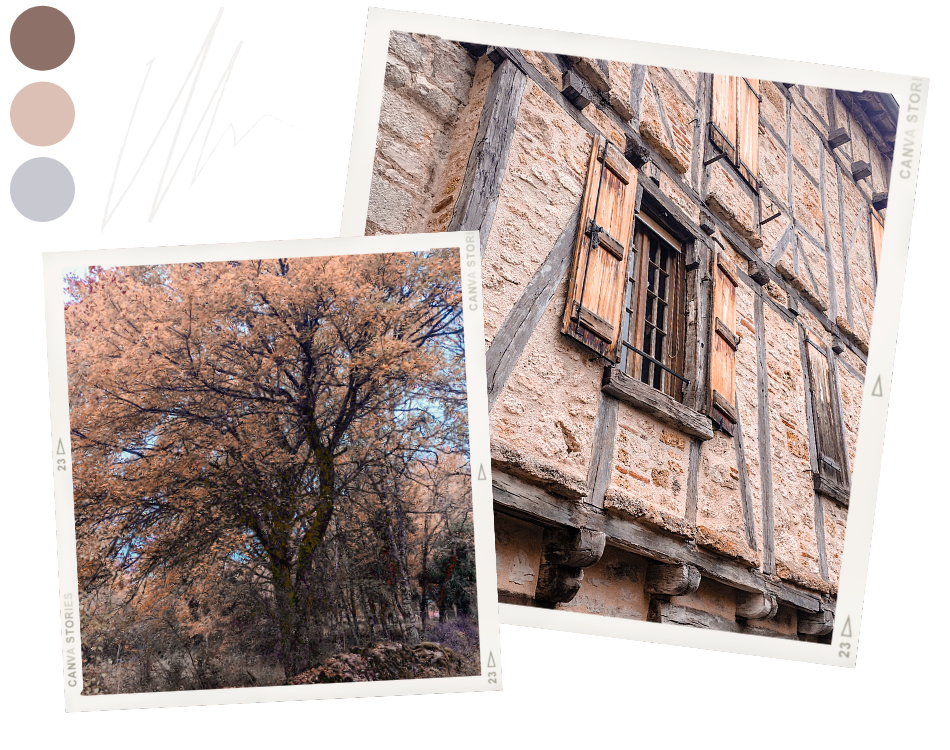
[838,137]
[756,606]
[879,201]
[860,170]
[577,91]
[564,555]
[817,623]
[672,580]
[758,272]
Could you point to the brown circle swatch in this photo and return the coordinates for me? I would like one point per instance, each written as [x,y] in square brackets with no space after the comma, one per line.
[42,114]
[42,38]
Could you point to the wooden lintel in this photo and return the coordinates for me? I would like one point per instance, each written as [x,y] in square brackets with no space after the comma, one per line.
[672,580]
[676,614]
[656,403]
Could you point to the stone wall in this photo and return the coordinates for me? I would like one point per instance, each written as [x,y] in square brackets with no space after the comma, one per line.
[817,251]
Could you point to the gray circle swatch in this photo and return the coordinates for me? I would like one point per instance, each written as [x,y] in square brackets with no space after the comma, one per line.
[42,189]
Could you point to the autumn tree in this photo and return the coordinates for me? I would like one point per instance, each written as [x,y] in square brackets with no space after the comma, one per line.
[221,413]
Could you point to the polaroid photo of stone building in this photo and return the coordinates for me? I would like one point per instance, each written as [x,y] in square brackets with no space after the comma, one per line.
[680,269]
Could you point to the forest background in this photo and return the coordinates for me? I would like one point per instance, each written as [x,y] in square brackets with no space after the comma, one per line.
[270,465]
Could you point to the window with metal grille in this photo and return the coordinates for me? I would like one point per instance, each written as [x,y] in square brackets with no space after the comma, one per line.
[654,324]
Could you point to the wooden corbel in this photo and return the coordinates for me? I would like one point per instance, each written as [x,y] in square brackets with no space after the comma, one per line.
[756,606]
[564,555]
[817,623]
[671,580]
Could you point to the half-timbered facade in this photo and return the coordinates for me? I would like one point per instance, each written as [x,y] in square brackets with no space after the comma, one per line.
[679,274]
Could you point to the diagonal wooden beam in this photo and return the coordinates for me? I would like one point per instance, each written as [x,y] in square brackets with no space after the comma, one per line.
[513,335]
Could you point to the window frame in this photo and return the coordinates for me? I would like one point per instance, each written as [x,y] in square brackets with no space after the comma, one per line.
[687,415]
[637,317]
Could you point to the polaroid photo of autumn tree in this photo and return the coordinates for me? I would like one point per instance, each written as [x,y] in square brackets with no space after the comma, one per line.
[271,474]
[683,257]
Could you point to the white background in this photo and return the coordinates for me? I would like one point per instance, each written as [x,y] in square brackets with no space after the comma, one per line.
[292,91]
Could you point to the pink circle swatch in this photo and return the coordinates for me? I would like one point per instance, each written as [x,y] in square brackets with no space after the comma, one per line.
[42,114]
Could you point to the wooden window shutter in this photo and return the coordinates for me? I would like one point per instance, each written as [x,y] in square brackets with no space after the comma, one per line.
[748,129]
[724,116]
[877,237]
[598,272]
[722,365]
[832,477]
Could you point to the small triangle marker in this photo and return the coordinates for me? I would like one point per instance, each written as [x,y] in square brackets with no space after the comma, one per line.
[60,451]
[846,631]
[481,471]
[491,659]
[877,387]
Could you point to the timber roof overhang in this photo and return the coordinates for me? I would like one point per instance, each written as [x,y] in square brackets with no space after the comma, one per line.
[877,113]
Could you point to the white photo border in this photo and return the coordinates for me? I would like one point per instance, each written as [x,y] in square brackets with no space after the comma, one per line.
[911,93]
[54,265]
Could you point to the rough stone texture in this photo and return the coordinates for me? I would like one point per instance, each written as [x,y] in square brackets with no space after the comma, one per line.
[852,393]
[613,587]
[462,140]
[619,91]
[836,519]
[731,202]
[389,661]
[680,198]
[793,497]
[805,139]
[517,555]
[808,204]
[650,462]
[801,257]
[548,69]
[773,172]
[772,107]
[548,406]
[544,182]
[540,473]
[427,84]
[664,120]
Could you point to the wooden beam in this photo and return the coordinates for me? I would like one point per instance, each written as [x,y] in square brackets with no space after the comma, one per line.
[517,498]
[671,580]
[602,449]
[478,197]
[676,614]
[656,403]
[764,440]
[692,481]
[638,75]
[523,318]
[745,491]
[829,262]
